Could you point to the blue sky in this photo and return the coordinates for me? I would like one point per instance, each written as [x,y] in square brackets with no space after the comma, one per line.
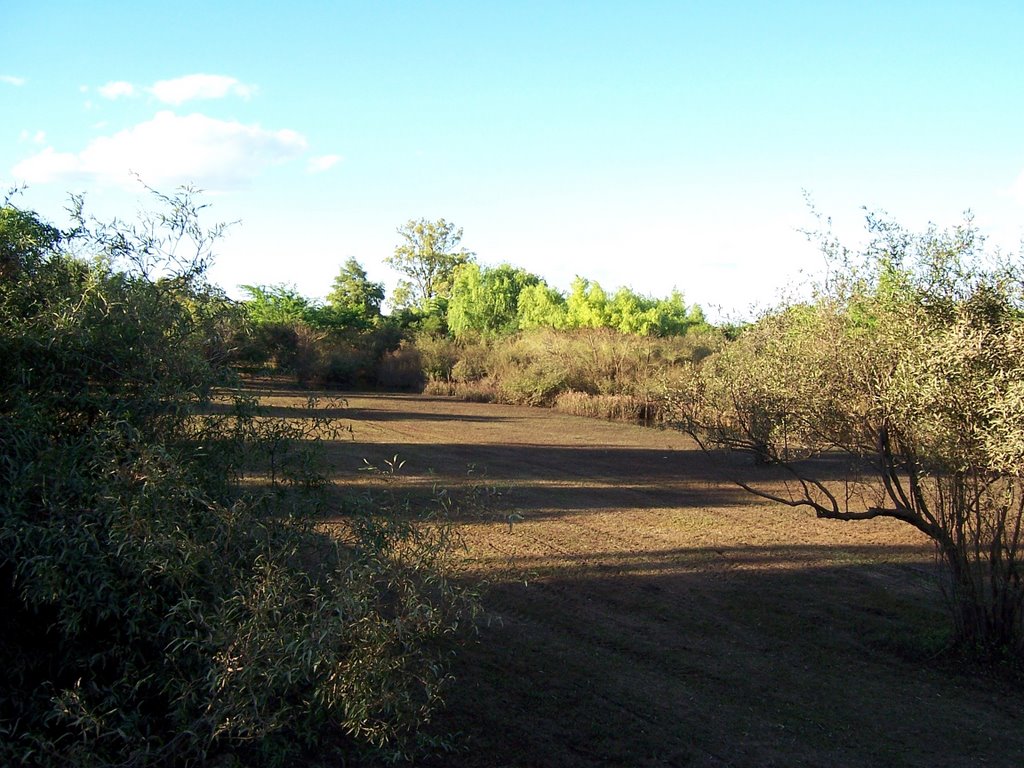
[647,144]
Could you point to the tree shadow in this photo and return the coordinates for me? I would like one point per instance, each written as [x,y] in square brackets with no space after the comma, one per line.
[802,655]
[546,480]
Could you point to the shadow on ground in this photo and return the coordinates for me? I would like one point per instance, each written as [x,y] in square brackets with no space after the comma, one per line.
[739,658]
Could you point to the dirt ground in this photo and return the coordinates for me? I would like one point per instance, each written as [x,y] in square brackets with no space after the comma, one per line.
[645,611]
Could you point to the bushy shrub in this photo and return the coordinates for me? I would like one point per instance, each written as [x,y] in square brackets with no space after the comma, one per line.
[897,392]
[589,372]
[438,355]
[166,593]
[334,358]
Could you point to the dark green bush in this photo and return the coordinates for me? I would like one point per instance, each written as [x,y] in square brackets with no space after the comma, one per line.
[166,594]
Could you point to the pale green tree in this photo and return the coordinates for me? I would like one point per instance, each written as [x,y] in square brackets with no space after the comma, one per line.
[629,312]
[541,306]
[587,305]
[428,255]
[674,318]
[280,303]
[486,299]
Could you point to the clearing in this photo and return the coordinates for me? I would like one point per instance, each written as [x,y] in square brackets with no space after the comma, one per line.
[647,612]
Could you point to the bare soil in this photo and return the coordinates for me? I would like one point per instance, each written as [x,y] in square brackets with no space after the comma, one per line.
[645,611]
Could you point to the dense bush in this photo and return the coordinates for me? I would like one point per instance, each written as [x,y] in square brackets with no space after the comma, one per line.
[596,372]
[165,591]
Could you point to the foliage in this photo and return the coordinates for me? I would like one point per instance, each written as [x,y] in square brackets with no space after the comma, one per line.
[428,255]
[339,344]
[167,596]
[23,240]
[354,294]
[276,304]
[588,305]
[904,372]
[438,355]
[283,305]
[485,300]
[402,368]
[620,373]
[541,306]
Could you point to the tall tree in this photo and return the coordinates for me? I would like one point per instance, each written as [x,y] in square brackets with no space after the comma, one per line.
[429,253]
[541,306]
[23,238]
[353,293]
[587,305]
[280,303]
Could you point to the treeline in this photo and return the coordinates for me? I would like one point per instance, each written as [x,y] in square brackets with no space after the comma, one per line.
[460,327]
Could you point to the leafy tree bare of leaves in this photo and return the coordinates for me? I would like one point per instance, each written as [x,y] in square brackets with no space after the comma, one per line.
[897,392]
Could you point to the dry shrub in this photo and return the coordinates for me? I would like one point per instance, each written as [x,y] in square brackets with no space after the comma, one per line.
[592,372]
[438,355]
[402,368]
[614,407]
[476,391]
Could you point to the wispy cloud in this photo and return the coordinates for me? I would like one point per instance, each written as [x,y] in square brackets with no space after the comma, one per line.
[12,80]
[322,163]
[169,149]
[116,89]
[39,137]
[192,87]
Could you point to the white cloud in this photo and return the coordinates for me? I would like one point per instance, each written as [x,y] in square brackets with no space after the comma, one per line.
[12,80]
[322,163]
[39,137]
[194,149]
[116,89]
[182,89]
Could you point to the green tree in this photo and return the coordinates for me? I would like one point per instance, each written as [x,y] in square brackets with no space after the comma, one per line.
[672,317]
[428,254]
[587,305]
[24,238]
[541,306]
[281,303]
[905,370]
[486,299]
[354,294]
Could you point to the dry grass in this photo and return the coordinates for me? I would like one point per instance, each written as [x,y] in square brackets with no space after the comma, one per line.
[646,612]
